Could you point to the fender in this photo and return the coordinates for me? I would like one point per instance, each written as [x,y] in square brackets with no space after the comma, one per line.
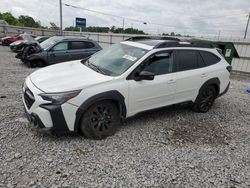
[113,95]
[214,82]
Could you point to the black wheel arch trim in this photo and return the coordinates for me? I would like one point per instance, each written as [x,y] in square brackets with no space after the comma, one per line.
[225,91]
[113,95]
[33,59]
[214,82]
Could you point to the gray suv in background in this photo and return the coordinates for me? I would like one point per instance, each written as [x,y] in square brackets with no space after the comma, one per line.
[59,49]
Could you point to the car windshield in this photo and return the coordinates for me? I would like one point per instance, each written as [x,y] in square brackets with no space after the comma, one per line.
[48,43]
[27,37]
[116,59]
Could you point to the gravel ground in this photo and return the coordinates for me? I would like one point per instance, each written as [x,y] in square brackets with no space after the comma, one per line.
[171,147]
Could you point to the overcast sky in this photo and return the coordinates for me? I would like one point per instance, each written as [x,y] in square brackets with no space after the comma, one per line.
[197,17]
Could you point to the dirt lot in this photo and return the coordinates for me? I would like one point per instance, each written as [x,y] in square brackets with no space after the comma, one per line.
[171,147]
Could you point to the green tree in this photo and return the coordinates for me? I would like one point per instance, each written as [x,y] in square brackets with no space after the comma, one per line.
[112,29]
[28,21]
[8,17]
[72,28]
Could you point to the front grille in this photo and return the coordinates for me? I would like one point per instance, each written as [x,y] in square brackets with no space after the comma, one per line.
[29,98]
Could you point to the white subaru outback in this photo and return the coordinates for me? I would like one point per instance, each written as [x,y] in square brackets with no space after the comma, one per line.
[136,75]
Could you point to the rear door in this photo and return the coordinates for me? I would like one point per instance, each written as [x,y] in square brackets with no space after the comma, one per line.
[81,49]
[59,53]
[191,74]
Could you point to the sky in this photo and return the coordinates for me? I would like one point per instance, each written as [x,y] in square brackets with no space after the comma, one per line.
[193,17]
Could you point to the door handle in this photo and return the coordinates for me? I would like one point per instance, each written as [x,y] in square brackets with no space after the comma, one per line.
[53,55]
[203,75]
[171,81]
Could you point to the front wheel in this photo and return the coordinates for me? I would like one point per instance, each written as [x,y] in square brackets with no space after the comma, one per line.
[5,43]
[100,120]
[205,100]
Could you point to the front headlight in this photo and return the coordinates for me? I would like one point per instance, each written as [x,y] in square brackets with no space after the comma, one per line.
[59,98]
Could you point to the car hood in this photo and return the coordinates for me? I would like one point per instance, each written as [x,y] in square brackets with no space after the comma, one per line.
[23,42]
[67,76]
[17,42]
[8,37]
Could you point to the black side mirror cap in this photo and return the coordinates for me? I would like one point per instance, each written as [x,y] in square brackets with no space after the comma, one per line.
[144,75]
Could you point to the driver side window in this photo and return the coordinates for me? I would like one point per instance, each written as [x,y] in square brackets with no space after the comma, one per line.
[160,63]
[61,46]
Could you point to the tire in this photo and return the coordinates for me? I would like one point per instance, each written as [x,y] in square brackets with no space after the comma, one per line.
[205,100]
[5,43]
[30,64]
[39,63]
[36,63]
[100,120]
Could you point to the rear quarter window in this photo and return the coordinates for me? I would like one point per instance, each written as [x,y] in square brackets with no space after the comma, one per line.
[209,58]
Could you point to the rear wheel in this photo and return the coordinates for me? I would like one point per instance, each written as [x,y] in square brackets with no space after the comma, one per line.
[100,120]
[205,100]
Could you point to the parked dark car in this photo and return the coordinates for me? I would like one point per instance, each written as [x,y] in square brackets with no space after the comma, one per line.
[19,45]
[40,39]
[6,41]
[59,49]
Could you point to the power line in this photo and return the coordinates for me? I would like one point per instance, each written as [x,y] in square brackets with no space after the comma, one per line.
[152,23]
[104,13]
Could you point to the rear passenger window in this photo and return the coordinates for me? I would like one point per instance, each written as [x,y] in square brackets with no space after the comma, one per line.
[209,58]
[81,45]
[187,59]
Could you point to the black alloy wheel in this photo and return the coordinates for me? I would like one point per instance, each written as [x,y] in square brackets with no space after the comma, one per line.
[100,120]
[205,100]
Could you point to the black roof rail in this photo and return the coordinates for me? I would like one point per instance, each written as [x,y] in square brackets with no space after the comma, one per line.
[195,44]
[138,38]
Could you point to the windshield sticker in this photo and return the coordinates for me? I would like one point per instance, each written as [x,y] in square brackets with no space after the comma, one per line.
[131,58]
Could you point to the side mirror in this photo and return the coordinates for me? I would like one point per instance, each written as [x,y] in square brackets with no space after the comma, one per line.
[144,75]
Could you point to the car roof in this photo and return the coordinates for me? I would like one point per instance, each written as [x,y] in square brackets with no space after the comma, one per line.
[68,38]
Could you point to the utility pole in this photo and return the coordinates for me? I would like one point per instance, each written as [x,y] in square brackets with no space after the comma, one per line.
[60,2]
[245,36]
[219,35]
[123,22]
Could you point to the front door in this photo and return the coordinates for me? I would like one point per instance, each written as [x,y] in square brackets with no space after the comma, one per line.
[59,53]
[159,92]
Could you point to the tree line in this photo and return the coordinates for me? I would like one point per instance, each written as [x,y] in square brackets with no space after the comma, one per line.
[22,20]
[27,21]
[112,29]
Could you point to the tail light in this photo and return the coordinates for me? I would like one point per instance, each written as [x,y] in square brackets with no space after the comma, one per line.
[229,68]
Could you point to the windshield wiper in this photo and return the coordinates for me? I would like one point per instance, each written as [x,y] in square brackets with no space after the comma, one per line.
[97,68]
[92,66]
